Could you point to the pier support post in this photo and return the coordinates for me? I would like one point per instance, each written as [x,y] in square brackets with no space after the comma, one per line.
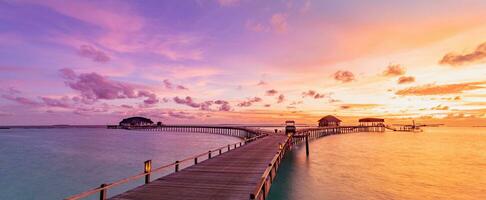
[103,192]
[147,169]
[307,145]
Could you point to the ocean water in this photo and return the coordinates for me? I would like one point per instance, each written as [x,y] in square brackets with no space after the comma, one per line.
[56,163]
[439,163]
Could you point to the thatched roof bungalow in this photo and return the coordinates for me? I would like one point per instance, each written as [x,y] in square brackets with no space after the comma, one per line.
[329,121]
[371,121]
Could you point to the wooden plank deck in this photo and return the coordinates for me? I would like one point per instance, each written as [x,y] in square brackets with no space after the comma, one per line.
[232,175]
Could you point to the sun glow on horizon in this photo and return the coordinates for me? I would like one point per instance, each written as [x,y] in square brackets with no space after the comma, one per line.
[208,62]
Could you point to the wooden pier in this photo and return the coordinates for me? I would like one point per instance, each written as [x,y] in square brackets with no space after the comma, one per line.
[243,170]
[233,175]
[241,132]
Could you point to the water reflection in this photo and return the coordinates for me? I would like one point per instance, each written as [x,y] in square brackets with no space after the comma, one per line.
[440,163]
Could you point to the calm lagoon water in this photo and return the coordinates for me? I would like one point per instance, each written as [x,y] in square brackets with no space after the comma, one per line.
[56,163]
[440,163]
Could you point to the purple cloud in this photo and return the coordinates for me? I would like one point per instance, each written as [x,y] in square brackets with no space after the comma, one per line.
[205,105]
[126,106]
[90,52]
[187,101]
[169,85]
[313,94]
[21,100]
[61,103]
[224,105]
[93,87]
[181,115]
[249,102]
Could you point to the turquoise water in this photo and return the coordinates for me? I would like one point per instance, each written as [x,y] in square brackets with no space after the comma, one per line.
[56,163]
[439,163]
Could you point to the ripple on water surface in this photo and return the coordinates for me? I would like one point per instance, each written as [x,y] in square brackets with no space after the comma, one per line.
[440,163]
[56,163]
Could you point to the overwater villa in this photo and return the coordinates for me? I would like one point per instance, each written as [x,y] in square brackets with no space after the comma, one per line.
[329,121]
[371,122]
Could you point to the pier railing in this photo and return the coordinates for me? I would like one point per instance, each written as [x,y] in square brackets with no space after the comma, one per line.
[241,132]
[103,188]
[263,187]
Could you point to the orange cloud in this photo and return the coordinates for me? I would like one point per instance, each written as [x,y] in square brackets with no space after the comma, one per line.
[440,107]
[344,76]
[394,70]
[432,89]
[406,79]
[479,54]
[358,105]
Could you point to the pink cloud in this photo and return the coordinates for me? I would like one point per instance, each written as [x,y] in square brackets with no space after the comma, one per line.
[280,98]
[313,94]
[255,26]
[115,17]
[90,52]
[226,3]
[296,103]
[279,22]
[262,83]
[344,76]
[271,92]
[124,30]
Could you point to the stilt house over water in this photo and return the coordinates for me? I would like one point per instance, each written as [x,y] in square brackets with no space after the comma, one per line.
[371,122]
[329,121]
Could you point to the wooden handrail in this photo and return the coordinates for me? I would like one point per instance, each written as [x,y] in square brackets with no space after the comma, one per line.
[104,187]
[261,185]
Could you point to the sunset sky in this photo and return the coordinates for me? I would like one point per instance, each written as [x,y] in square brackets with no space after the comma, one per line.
[242,61]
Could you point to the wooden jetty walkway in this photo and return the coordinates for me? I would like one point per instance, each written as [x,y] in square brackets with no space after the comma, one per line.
[243,170]
[232,175]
